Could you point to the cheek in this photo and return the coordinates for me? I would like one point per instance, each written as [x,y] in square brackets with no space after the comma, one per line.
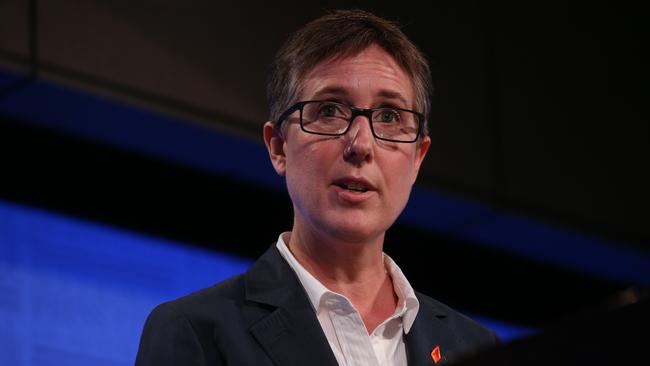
[402,167]
[400,176]
[307,168]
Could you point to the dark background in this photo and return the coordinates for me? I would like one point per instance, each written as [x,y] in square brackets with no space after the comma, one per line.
[537,113]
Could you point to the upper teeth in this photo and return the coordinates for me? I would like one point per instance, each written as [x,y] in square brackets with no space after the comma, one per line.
[355,186]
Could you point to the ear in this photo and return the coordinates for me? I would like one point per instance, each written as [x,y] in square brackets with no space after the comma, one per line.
[420,153]
[275,145]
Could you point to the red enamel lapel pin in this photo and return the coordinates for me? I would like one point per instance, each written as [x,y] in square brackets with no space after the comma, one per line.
[436,355]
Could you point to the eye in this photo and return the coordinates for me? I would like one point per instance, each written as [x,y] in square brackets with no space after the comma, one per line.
[387,116]
[330,110]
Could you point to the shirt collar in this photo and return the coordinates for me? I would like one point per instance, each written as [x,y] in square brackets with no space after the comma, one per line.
[407,303]
[314,288]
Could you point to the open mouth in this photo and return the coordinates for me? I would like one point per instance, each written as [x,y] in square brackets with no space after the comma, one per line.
[353,186]
[356,185]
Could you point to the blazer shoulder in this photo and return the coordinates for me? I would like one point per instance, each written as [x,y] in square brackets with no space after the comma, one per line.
[181,331]
[228,296]
[465,328]
[230,290]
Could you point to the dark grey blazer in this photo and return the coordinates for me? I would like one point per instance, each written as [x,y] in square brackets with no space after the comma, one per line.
[264,317]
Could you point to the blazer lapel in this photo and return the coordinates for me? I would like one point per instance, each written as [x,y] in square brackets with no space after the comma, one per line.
[290,334]
[428,332]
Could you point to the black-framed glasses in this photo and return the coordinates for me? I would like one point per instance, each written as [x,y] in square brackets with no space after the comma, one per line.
[323,117]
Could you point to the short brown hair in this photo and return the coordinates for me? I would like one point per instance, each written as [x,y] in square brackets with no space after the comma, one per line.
[339,34]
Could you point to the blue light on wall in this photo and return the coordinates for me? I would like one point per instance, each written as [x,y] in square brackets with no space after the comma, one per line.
[77,293]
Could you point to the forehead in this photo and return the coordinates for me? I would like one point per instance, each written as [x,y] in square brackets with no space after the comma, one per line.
[370,72]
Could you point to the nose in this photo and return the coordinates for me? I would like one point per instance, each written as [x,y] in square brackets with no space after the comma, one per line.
[359,141]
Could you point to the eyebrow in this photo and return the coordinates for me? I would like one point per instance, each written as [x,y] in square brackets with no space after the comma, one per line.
[330,90]
[340,91]
[389,94]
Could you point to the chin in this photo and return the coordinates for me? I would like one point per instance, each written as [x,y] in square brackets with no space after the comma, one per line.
[354,231]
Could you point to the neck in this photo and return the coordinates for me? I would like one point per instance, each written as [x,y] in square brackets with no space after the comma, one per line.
[353,269]
[338,263]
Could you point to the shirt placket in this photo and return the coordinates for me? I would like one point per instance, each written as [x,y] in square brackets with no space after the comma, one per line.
[352,334]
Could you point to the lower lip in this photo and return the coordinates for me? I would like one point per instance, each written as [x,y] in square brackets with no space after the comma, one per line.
[352,197]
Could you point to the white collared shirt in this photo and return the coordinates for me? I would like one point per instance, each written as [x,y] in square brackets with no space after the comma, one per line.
[342,323]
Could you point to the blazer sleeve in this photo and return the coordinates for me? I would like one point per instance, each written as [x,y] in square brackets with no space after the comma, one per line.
[170,339]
